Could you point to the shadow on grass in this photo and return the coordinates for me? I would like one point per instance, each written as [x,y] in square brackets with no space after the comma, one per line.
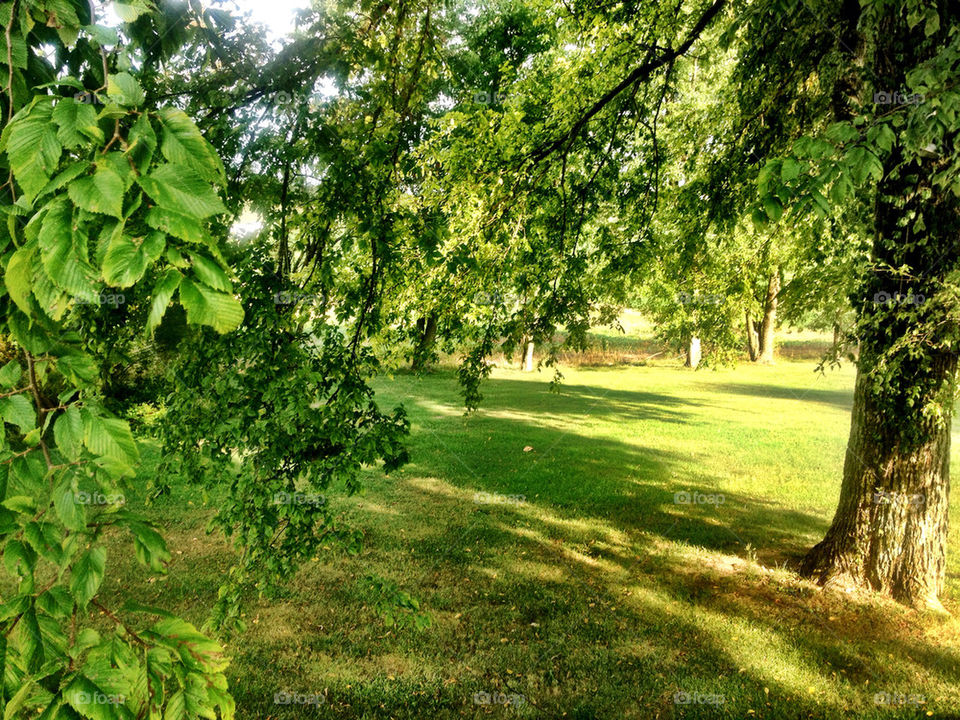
[842,399]
[637,488]
[596,595]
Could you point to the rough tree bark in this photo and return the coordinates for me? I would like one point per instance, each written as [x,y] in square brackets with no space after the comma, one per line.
[890,529]
[427,326]
[889,533]
[753,341]
[768,326]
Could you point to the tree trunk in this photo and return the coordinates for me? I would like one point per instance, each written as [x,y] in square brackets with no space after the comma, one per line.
[890,529]
[769,324]
[889,533]
[753,342]
[428,335]
[528,356]
[694,354]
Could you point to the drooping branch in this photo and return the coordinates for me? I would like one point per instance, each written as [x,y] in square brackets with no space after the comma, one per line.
[639,74]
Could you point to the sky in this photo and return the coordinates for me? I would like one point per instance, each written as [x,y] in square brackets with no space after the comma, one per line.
[277,15]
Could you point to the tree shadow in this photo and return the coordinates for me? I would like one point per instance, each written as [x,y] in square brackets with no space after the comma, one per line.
[638,488]
[838,398]
[597,577]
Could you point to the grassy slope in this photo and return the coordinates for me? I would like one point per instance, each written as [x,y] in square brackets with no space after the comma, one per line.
[598,596]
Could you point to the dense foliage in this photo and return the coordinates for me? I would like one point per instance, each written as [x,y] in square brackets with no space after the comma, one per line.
[430,176]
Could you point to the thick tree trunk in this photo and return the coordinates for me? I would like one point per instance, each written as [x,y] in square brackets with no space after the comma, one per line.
[753,341]
[890,529]
[428,335]
[768,326]
[528,356]
[694,353]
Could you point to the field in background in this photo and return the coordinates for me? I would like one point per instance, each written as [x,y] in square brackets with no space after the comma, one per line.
[618,549]
[633,343]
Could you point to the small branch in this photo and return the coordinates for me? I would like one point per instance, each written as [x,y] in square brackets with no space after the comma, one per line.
[116,136]
[14,457]
[8,32]
[106,611]
[41,412]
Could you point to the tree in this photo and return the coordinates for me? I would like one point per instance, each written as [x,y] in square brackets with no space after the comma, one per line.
[889,531]
[104,194]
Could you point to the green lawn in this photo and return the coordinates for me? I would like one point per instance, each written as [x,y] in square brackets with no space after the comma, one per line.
[585,587]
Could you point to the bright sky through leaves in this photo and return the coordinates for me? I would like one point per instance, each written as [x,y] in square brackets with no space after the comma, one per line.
[278,15]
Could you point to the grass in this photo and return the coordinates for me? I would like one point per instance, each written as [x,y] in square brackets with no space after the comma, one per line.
[585,587]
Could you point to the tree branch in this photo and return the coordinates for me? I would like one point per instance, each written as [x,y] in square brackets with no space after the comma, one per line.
[643,72]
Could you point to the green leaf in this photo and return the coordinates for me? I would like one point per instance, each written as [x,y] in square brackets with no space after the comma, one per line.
[18,558]
[87,574]
[123,89]
[125,263]
[842,133]
[177,224]
[63,177]
[176,707]
[18,410]
[17,50]
[206,306]
[100,193]
[142,143]
[882,137]
[862,164]
[210,273]
[30,470]
[70,512]
[29,334]
[19,276]
[81,694]
[150,548]
[87,638]
[45,538]
[821,206]
[162,295]
[79,368]
[19,699]
[180,189]
[51,298]
[773,207]
[109,437]
[31,641]
[184,145]
[62,251]
[127,258]
[77,123]
[841,189]
[103,35]
[32,147]
[56,602]
[790,169]
[10,375]
[68,433]
[130,10]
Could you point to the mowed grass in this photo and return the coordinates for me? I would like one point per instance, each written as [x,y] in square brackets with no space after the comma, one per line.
[585,586]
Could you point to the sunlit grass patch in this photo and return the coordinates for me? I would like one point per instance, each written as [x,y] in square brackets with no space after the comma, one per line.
[622,548]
